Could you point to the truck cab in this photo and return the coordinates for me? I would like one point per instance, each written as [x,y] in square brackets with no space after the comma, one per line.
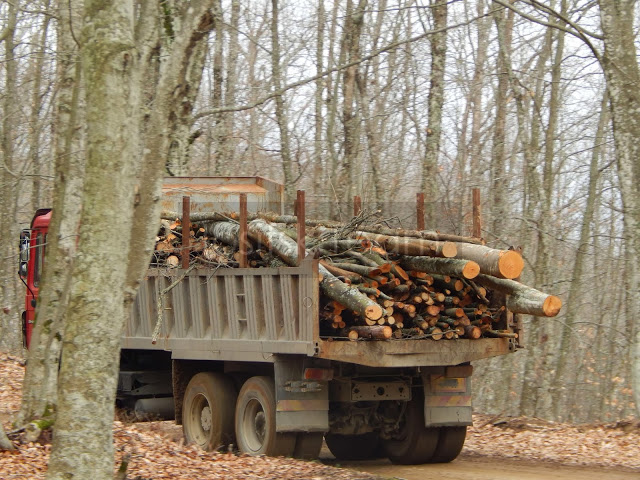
[33,244]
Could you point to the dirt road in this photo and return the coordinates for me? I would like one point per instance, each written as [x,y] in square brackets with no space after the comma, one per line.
[483,468]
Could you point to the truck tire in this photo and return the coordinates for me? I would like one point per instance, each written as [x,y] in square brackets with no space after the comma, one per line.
[415,444]
[207,411]
[255,420]
[353,447]
[308,445]
[450,443]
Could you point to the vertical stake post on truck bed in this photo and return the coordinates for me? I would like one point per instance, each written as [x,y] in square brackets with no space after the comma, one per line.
[419,211]
[243,261]
[300,214]
[186,230]
[477,215]
[357,205]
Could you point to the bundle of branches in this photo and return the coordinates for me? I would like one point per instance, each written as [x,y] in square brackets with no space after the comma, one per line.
[381,283]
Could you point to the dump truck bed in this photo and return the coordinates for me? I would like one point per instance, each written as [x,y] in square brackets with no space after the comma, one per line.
[250,314]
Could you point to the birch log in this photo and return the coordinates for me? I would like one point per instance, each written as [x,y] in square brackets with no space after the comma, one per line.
[269,236]
[226,232]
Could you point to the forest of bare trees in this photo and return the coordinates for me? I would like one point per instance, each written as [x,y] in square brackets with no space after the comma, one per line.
[534,103]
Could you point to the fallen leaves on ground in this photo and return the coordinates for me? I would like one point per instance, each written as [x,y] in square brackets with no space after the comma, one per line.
[608,445]
[158,452]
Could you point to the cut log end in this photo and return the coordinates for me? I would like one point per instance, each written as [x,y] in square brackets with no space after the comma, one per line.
[551,306]
[373,312]
[449,250]
[510,264]
[471,270]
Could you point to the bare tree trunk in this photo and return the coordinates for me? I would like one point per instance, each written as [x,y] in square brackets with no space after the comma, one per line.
[561,377]
[9,333]
[36,107]
[40,383]
[228,147]
[184,96]
[281,114]
[622,73]
[216,94]
[350,116]
[82,444]
[438,41]
[318,147]
[504,26]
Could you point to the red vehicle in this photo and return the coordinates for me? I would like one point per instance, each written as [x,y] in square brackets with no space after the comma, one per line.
[33,243]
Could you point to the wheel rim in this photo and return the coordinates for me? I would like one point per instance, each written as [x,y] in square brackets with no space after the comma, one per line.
[200,418]
[255,425]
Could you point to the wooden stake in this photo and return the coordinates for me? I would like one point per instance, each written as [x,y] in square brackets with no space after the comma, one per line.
[186,230]
[300,213]
[477,214]
[244,263]
[420,211]
[357,205]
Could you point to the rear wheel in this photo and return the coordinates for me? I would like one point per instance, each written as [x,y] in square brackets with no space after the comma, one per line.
[255,421]
[353,447]
[308,445]
[414,444]
[207,411]
[450,443]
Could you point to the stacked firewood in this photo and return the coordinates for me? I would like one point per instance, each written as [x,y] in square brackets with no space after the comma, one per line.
[377,282]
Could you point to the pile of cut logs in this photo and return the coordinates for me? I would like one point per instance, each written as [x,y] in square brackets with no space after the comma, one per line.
[376,282]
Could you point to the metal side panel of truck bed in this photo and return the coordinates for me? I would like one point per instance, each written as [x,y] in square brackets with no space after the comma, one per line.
[252,314]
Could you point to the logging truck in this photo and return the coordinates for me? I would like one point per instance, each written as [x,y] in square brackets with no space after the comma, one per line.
[241,356]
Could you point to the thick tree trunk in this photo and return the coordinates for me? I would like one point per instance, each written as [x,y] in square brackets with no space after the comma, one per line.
[40,382]
[83,444]
[622,73]
[9,331]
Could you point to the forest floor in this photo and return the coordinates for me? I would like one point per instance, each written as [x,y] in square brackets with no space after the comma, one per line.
[158,451]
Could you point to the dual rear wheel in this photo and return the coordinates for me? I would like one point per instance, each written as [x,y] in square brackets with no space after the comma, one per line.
[414,444]
[215,416]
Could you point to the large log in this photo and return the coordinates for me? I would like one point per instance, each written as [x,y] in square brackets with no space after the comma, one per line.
[442,266]
[411,246]
[226,232]
[498,263]
[270,237]
[521,298]
[377,332]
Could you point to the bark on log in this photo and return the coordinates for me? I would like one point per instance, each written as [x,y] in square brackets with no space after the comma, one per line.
[339,272]
[377,332]
[226,232]
[421,234]
[498,263]
[260,231]
[523,299]
[442,266]
[411,246]
[359,269]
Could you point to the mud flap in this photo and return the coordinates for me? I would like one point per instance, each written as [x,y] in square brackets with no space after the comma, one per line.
[301,405]
[447,400]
